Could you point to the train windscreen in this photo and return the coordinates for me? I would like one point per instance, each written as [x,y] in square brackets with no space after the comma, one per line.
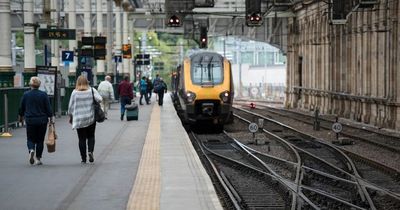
[207,69]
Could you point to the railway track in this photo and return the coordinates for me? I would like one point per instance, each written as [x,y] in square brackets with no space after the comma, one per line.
[326,169]
[282,186]
[380,139]
[248,184]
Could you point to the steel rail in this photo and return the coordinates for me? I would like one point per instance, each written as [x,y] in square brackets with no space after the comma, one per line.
[362,189]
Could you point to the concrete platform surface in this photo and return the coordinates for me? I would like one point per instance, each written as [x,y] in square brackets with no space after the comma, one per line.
[62,182]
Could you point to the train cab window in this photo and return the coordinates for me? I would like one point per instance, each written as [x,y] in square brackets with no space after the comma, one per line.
[207,69]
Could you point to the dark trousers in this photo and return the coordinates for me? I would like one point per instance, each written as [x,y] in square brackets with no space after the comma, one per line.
[35,138]
[160,97]
[146,97]
[124,101]
[84,134]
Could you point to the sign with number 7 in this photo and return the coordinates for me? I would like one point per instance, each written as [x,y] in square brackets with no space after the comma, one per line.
[67,56]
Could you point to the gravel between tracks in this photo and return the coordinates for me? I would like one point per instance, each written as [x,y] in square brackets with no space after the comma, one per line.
[380,155]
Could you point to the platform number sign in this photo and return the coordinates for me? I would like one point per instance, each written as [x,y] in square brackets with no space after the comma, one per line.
[337,127]
[67,56]
[253,127]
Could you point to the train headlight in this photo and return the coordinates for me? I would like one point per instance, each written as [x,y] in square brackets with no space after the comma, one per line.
[190,96]
[225,96]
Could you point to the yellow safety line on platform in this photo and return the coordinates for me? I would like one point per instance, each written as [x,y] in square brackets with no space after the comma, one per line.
[6,134]
[146,190]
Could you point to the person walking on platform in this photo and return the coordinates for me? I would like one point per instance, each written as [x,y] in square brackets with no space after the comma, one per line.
[161,88]
[106,91]
[35,108]
[81,113]
[143,90]
[155,83]
[149,88]
[125,94]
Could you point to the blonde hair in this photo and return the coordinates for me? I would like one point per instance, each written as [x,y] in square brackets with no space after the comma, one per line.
[34,82]
[82,83]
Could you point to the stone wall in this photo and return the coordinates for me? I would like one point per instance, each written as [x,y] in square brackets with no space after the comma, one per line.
[350,70]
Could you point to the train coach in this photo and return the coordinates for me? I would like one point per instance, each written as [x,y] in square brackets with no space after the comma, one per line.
[204,89]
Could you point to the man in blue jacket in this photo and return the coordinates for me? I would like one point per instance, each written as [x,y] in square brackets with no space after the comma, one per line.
[35,108]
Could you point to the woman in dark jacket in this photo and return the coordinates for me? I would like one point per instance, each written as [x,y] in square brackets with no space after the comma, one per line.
[35,108]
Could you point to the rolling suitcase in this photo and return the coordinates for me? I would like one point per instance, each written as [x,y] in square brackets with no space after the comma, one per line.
[132,112]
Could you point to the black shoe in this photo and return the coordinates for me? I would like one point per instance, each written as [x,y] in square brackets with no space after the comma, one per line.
[122,117]
[91,158]
[83,162]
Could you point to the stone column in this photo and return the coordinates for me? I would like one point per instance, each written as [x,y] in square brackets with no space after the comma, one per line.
[72,43]
[55,58]
[29,42]
[6,71]
[109,37]
[118,33]
[87,26]
[125,36]
[375,73]
[395,118]
[132,42]
[99,17]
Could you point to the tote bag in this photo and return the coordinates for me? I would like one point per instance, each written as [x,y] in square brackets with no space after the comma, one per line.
[51,138]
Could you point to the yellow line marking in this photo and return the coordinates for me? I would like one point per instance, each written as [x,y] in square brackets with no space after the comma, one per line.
[145,194]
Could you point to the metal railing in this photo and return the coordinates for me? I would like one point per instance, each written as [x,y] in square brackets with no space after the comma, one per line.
[10,99]
[9,104]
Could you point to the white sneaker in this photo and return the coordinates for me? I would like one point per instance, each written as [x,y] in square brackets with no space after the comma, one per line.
[38,162]
[31,156]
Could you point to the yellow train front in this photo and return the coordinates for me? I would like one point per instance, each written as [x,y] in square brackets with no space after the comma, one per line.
[204,92]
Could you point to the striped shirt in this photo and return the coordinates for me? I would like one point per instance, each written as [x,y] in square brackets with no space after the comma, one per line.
[81,107]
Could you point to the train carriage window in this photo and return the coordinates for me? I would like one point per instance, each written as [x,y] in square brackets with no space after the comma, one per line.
[207,69]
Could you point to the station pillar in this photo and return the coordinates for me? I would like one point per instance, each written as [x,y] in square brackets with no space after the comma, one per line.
[118,34]
[99,17]
[72,43]
[55,49]
[125,34]
[6,71]
[29,43]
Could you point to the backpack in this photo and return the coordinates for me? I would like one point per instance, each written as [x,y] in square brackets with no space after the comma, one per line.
[160,86]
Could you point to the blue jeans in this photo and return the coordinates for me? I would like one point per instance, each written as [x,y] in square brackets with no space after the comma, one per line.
[35,138]
[124,101]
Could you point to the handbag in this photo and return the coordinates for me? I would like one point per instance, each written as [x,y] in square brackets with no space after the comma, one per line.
[51,138]
[99,115]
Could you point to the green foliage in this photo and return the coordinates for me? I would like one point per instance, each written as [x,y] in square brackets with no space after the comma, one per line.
[19,36]
[169,45]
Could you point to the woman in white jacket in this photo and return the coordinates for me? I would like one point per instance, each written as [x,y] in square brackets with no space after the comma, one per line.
[81,114]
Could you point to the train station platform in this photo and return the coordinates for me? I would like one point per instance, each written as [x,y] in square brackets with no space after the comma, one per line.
[144,164]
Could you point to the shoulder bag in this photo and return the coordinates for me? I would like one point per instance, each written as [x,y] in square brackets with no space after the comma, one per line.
[98,112]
